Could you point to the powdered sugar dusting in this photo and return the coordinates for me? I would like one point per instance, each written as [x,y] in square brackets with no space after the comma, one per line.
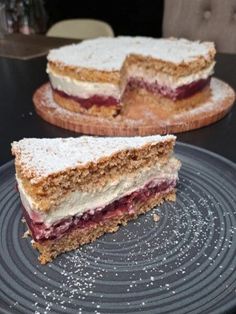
[42,157]
[108,54]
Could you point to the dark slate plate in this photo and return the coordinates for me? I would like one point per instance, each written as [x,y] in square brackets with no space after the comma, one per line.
[185,263]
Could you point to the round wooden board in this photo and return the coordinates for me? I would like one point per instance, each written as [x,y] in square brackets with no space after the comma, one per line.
[139,119]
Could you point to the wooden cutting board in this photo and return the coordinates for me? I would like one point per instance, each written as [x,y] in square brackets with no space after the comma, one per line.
[138,118]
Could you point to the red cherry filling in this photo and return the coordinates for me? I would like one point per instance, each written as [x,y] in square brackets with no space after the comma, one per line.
[179,93]
[87,103]
[40,232]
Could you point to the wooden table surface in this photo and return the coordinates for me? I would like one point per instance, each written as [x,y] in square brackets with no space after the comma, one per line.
[26,47]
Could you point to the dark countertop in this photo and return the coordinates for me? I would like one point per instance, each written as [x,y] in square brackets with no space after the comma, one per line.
[20,78]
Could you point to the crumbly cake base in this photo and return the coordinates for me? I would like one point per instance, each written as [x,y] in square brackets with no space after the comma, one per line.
[166,106]
[72,240]
[75,106]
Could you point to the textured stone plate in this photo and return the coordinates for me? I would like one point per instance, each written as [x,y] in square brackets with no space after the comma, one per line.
[185,263]
[139,118]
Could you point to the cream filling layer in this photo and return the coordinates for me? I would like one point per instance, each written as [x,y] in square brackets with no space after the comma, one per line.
[82,89]
[88,89]
[78,202]
[163,79]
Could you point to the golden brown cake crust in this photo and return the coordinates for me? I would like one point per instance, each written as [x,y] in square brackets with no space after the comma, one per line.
[115,77]
[176,70]
[84,74]
[51,190]
[51,248]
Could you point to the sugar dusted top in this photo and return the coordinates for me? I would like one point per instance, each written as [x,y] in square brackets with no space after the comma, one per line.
[38,158]
[108,54]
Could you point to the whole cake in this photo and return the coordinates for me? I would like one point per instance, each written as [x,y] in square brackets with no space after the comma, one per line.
[76,189]
[93,77]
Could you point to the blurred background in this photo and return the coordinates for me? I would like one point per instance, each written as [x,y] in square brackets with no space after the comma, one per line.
[141,17]
[213,20]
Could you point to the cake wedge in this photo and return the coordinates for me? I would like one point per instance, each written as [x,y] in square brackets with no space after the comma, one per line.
[74,190]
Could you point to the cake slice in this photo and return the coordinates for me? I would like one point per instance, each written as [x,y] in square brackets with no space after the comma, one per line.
[94,76]
[74,190]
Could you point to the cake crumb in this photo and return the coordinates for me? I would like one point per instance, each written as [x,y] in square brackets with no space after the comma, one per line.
[156,217]
[26,234]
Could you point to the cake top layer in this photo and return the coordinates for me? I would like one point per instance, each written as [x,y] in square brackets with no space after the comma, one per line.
[108,54]
[39,158]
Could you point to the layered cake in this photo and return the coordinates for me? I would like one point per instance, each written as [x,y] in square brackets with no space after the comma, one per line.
[76,189]
[94,76]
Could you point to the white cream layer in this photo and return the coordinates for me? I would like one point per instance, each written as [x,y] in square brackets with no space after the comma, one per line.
[82,89]
[88,89]
[166,80]
[76,203]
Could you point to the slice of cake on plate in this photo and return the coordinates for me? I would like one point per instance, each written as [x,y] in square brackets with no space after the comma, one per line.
[93,77]
[76,189]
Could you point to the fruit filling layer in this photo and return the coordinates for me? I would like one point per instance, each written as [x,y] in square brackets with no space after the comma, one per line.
[77,202]
[178,93]
[87,103]
[125,205]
